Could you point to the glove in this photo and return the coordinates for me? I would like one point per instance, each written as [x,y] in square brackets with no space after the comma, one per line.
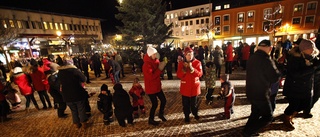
[162,65]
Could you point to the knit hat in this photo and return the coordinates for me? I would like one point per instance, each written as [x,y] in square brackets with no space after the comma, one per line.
[187,49]
[17,70]
[265,43]
[151,51]
[104,87]
[306,44]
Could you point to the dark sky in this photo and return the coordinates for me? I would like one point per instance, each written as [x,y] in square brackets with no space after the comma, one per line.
[103,9]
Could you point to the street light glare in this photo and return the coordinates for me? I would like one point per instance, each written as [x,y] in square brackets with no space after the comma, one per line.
[59,33]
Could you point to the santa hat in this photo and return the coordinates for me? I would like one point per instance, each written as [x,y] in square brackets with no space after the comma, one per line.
[151,51]
[187,50]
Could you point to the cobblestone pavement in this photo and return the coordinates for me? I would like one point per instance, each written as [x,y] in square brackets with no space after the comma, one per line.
[46,123]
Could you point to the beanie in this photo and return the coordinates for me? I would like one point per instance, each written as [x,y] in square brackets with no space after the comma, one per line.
[104,87]
[187,49]
[151,51]
[17,70]
[306,44]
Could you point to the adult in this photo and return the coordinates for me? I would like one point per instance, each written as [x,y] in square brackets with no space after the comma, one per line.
[40,83]
[152,71]
[84,63]
[245,55]
[73,93]
[118,58]
[217,60]
[114,68]
[229,58]
[96,64]
[4,70]
[261,73]
[189,72]
[299,81]
[59,60]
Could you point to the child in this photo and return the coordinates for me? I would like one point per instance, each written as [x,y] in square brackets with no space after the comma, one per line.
[227,93]
[122,105]
[210,78]
[137,94]
[104,104]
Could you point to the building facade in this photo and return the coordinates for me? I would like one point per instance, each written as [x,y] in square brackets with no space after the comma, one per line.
[277,21]
[43,33]
[190,25]
[274,20]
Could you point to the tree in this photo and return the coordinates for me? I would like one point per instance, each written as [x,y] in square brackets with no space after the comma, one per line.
[8,34]
[143,19]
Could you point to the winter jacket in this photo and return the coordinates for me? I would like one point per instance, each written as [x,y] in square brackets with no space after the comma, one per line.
[71,80]
[2,95]
[104,103]
[190,82]
[39,80]
[137,92]
[299,78]
[217,56]
[210,77]
[261,73]
[229,53]
[121,101]
[23,83]
[54,89]
[151,74]
[245,52]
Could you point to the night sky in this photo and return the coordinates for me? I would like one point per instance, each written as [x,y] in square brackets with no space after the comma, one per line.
[103,9]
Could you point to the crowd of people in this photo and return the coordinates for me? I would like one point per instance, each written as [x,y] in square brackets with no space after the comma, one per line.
[265,65]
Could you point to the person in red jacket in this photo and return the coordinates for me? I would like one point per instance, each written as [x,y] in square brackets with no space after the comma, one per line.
[152,71]
[40,83]
[229,58]
[245,55]
[23,82]
[189,72]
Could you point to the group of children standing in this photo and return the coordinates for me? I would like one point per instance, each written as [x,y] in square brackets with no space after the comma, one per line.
[120,99]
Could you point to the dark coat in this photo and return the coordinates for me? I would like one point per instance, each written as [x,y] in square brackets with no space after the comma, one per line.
[261,73]
[121,101]
[104,102]
[299,77]
[71,80]
[54,89]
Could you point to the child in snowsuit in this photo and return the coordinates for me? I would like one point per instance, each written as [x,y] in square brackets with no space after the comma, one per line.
[210,80]
[137,94]
[227,93]
[104,104]
[122,105]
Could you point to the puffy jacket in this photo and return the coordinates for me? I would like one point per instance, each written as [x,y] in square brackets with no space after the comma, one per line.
[245,52]
[229,53]
[190,82]
[39,80]
[151,74]
[23,83]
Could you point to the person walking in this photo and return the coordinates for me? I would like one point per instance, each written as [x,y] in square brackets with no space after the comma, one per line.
[229,58]
[217,60]
[261,73]
[152,71]
[298,87]
[189,72]
[73,93]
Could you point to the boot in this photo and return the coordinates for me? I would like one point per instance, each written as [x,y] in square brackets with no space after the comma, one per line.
[287,120]
[135,114]
[152,122]
[162,118]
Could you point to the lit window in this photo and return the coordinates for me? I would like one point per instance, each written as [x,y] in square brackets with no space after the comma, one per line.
[4,24]
[217,31]
[176,24]
[19,24]
[51,25]
[218,8]
[217,21]
[207,10]
[190,12]
[226,6]
[56,25]
[168,17]
[250,14]
[45,25]
[267,13]
[186,13]
[250,26]
[61,26]
[191,31]
[240,17]
[176,15]
[296,20]
[298,8]
[309,19]
[11,23]
[312,6]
